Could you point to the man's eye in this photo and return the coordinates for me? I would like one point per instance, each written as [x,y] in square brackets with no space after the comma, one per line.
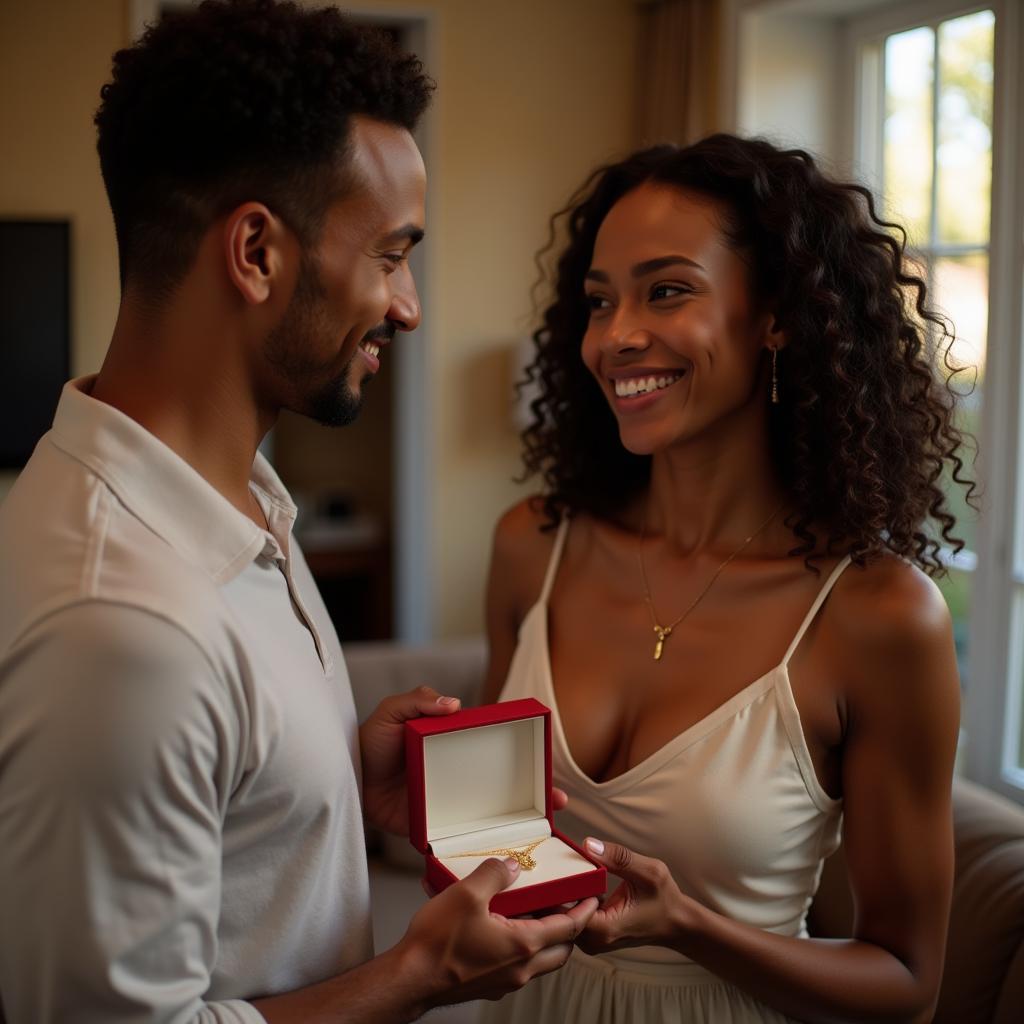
[395,258]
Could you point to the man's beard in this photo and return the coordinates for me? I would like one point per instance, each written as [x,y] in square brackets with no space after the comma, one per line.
[334,403]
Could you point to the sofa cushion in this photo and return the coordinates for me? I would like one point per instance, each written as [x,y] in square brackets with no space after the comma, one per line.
[983,980]
[986,927]
[379,670]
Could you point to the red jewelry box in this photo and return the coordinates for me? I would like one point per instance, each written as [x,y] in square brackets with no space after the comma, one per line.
[480,780]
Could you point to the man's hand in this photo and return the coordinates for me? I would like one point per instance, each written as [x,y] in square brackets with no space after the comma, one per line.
[382,741]
[462,951]
[455,950]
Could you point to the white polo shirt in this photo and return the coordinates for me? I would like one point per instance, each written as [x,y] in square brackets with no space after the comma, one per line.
[180,819]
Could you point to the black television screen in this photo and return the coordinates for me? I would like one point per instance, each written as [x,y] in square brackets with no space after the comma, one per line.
[35,347]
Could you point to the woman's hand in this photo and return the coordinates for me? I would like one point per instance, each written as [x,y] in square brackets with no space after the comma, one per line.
[647,909]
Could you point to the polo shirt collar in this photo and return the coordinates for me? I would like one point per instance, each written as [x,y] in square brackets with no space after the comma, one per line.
[163,491]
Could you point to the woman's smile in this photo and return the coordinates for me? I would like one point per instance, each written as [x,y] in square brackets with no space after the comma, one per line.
[640,388]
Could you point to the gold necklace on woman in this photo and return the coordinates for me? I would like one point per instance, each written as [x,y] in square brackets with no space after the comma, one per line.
[664,632]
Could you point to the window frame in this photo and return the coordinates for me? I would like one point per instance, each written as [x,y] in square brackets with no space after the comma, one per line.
[994,699]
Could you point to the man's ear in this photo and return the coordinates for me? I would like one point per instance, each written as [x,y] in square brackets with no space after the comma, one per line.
[255,251]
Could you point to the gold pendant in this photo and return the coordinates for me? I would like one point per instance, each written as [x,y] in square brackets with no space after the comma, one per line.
[663,635]
[522,856]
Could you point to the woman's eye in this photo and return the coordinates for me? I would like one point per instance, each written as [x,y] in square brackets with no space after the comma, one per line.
[595,302]
[668,291]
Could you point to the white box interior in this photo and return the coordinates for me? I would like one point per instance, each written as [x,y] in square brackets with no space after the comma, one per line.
[485,790]
[481,779]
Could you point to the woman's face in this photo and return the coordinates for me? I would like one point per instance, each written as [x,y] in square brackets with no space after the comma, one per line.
[674,340]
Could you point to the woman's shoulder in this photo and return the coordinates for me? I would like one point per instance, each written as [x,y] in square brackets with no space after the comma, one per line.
[892,630]
[524,522]
[524,539]
[524,531]
[886,600]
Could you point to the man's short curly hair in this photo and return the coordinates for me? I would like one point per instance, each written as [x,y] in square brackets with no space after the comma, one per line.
[864,433]
[239,100]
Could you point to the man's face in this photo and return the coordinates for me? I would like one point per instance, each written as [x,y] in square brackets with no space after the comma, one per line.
[356,290]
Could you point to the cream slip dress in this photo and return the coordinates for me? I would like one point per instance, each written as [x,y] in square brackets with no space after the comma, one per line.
[734,808]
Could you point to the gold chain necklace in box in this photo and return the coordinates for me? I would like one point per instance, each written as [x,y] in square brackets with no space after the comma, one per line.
[522,855]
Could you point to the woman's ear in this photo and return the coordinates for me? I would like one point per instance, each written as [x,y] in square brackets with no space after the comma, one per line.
[774,336]
[255,251]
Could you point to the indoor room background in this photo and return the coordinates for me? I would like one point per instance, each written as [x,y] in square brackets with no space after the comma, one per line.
[917,98]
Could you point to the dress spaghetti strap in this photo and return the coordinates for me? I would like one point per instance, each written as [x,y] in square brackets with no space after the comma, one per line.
[556,557]
[818,602]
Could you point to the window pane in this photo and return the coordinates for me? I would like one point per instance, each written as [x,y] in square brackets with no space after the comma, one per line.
[1015,698]
[960,286]
[909,71]
[964,154]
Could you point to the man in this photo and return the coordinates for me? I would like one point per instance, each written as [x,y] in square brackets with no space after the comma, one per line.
[181,829]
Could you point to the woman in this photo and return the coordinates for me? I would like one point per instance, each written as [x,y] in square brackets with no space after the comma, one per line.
[724,596]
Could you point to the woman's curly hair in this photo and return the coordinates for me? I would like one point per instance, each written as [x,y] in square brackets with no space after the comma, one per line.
[236,101]
[864,429]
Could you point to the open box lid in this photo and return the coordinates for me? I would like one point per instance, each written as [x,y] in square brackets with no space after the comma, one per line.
[477,769]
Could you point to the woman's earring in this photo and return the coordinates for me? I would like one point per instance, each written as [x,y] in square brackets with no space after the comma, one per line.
[775,376]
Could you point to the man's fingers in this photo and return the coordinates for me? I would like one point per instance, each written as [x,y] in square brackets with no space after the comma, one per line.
[491,877]
[559,798]
[424,700]
[548,960]
[583,912]
[556,929]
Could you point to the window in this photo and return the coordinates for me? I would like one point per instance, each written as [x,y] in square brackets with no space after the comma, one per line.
[936,180]
[936,85]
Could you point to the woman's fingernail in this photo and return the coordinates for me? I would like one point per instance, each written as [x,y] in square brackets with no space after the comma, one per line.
[512,864]
[447,700]
[595,846]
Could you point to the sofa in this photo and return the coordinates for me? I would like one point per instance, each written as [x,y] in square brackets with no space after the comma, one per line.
[983,981]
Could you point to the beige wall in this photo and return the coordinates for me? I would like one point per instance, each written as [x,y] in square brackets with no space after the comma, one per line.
[54,56]
[528,102]
[532,95]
